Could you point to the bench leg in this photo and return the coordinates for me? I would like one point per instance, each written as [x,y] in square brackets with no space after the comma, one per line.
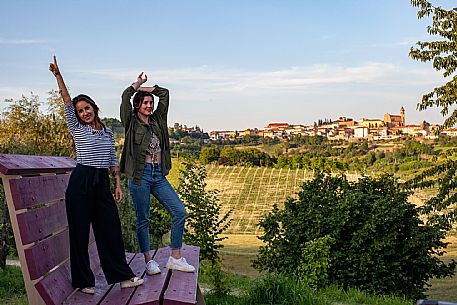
[200,299]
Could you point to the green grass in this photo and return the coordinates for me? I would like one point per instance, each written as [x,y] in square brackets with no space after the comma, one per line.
[277,289]
[12,290]
[239,250]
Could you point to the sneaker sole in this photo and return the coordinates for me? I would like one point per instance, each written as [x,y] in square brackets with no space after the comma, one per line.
[179,269]
[152,272]
[133,284]
[88,290]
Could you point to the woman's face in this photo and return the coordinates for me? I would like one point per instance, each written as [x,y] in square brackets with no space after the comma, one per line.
[85,112]
[146,106]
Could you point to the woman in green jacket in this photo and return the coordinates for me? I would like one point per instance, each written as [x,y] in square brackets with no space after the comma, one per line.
[146,161]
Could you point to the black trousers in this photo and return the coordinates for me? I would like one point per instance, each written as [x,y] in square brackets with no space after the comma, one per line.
[88,200]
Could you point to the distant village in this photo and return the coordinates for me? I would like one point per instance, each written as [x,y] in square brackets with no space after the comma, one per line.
[391,127]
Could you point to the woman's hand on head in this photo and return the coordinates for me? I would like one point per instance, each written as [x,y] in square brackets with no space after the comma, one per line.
[54,68]
[140,78]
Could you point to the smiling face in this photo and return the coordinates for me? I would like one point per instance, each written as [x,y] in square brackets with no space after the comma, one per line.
[146,106]
[85,112]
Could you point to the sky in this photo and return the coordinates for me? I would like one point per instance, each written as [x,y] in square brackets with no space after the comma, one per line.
[229,65]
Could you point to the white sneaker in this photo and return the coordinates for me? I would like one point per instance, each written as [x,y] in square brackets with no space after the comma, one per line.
[179,264]
[88,290]
[133,282]
[152,267]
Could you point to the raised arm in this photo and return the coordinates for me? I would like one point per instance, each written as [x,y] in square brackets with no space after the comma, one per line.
[126,107]
[164,100]
[54,68]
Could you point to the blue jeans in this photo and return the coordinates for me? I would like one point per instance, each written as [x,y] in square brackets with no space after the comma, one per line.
[153,182]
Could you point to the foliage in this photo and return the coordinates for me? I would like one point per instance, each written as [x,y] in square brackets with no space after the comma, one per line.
[315,262]
[188,148]
[127,217]
[442,208]
[376,239]
[204,223]
[281,289]
[6,232]
[218,279]
[209,154]
[443,54]
[25,129]
[115,125]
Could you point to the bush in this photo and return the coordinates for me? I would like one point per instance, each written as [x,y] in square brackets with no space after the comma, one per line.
[204,224]
[281,289]
[376,240]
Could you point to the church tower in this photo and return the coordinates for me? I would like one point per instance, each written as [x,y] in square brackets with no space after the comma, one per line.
[402,116]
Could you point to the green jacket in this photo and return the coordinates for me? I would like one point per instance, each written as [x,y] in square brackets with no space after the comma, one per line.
[137,135]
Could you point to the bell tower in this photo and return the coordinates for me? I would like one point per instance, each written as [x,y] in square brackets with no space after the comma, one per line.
[402,116]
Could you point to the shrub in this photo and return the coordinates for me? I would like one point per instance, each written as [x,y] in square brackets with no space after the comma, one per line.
[204,224]
[376,240]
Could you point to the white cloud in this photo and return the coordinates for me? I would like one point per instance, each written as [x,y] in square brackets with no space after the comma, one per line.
[21,41]
[223,79]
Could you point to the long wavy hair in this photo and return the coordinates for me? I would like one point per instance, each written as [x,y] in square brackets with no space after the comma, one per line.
[98,121]
[86,98]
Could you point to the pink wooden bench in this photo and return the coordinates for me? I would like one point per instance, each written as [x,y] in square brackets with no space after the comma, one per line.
[432,302]
[34,190]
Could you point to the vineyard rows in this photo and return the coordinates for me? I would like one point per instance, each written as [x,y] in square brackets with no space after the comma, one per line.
[252,191]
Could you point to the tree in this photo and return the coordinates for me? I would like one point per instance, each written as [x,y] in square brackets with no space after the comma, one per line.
[115,125]
[229,156]
[209,154]
[26,129]
[204,223]
[442,208]
[362,234]
[443,54]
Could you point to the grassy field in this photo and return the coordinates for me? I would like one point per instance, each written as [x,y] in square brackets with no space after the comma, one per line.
[240,249]
[251,192]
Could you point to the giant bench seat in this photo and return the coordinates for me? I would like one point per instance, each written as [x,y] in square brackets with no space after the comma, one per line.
[35,190]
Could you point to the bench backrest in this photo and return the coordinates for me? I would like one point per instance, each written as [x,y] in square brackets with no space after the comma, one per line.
[35,191]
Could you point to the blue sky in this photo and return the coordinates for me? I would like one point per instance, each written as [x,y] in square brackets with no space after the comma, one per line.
[229,65]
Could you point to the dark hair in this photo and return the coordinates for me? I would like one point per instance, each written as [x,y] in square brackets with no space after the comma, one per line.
[138,99]
[86,98]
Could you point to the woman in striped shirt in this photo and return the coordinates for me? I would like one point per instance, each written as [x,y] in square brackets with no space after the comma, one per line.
[88,197]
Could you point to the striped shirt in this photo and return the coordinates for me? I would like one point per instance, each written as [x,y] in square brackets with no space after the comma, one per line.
[93,147]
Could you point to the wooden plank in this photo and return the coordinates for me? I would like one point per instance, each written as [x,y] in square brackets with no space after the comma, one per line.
[122,296]
[38,223]
[182,288]
[31,191]
[56,286]
[47,254]
[28,165]
[433,302]
[152,289]
[33,296]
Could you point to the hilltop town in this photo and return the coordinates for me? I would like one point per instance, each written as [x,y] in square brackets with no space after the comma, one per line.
[390,127]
